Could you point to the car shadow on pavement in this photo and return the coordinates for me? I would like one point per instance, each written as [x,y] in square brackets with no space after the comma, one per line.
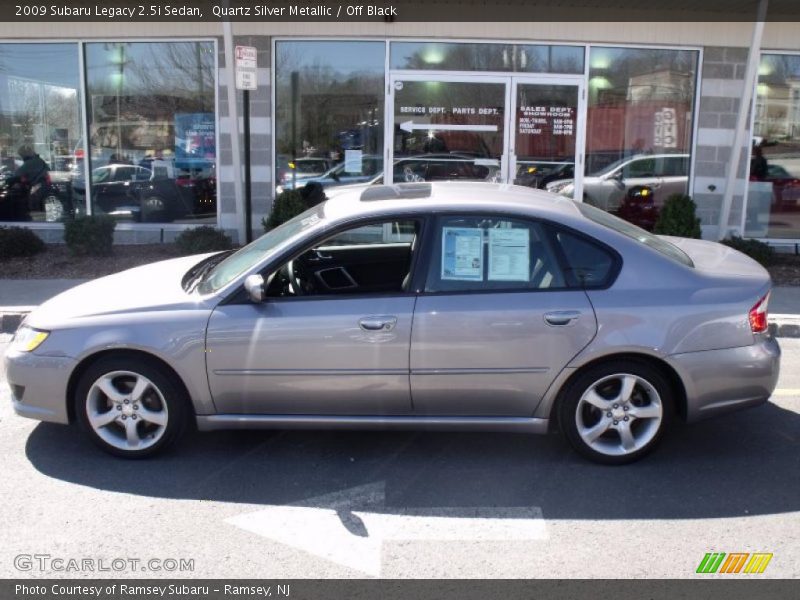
[746,463]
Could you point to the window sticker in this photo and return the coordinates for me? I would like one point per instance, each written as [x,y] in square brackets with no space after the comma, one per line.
[509,254]
[353,161]
[462,253]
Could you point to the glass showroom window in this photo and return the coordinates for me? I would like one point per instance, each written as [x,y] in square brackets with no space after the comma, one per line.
[639,128]
[328,113]
[41,148]
[459,56]
[152,131]
[773,195]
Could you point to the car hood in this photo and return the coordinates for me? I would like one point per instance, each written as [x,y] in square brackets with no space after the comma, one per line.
[150,288]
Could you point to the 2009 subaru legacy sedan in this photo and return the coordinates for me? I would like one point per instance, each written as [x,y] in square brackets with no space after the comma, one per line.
[431,306]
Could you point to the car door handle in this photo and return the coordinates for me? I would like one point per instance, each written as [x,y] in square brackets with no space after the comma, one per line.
[561,317]
[378,323]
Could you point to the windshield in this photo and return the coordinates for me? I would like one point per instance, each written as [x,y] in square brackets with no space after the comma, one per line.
[245,258]
[632,231]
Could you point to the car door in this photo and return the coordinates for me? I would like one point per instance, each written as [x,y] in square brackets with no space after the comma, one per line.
[645,171]
[113,193]
[674,174]
[498,319]
[340,347]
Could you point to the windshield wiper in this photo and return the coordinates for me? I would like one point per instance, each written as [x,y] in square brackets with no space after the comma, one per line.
[197,274]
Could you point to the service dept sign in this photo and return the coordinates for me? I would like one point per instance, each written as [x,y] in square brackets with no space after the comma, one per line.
[246,68]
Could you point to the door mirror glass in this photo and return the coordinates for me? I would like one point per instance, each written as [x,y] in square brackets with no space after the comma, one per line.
[254,284]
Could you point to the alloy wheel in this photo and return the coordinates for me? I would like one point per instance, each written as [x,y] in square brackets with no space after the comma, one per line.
[127,410]
[619,414]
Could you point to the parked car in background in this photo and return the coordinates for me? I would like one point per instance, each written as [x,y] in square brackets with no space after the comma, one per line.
[538,175]
[132,191]
[664,174]
[341,174]
[516,311]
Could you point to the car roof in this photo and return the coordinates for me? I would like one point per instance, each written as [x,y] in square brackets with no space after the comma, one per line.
[448,196]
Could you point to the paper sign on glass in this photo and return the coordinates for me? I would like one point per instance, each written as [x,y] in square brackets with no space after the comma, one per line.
[509,255]
[352,161]
[462,253]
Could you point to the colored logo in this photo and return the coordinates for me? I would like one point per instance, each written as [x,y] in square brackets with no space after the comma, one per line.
[735,562]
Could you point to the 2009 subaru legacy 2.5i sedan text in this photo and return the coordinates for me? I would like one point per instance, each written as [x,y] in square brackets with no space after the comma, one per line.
[435,306]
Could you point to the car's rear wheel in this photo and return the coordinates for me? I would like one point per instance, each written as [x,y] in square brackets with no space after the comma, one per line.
[154,209]
[130,407]
[615,413]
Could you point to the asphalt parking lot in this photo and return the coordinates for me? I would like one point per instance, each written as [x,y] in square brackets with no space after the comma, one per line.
[334,504]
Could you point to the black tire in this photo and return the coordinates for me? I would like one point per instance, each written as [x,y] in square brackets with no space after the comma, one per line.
[154,209]
[603,375]
[163,390]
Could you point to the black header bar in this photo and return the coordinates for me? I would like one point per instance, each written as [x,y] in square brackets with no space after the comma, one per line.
[389,11]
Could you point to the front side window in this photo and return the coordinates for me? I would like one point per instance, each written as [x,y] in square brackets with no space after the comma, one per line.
[41,143]
[645,167]
[362,260]
[152,105]
[485,253]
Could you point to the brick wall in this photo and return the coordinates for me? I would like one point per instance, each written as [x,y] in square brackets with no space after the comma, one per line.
[721,89]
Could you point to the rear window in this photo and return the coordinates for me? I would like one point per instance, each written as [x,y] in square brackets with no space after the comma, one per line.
[589,265]
[636,233]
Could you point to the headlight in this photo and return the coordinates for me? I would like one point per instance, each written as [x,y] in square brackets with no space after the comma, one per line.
[28,339]
[278,189]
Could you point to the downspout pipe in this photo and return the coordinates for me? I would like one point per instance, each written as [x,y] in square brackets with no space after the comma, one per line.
[741,120]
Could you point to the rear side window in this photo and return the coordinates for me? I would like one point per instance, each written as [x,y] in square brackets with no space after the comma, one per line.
[588,264]
[492,253]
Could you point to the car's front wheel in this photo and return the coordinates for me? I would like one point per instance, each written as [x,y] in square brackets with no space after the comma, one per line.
[615,413]
[130,407]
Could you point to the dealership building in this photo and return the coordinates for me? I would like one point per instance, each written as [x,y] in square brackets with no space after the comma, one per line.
[135,119]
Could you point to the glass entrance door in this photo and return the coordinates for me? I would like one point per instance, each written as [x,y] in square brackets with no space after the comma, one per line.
[547,139]
[448,128]
[508,129]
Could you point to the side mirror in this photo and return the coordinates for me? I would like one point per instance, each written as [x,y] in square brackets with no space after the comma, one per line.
[254,284]
[618,176]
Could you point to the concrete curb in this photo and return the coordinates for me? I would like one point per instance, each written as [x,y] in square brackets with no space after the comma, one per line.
[782,326]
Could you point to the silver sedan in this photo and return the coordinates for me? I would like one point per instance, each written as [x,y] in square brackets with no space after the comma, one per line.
[431,306]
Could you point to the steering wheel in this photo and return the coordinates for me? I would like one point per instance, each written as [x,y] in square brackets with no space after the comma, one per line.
[297,278]
[409,175]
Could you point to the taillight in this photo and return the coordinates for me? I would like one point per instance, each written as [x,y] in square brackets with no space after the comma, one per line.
[758,315]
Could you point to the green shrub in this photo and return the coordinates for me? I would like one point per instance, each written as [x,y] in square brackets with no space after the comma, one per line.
[19,241]
[291,203]
[679,218]
[201,240]
[762,253]
[287,205]
[90,234]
